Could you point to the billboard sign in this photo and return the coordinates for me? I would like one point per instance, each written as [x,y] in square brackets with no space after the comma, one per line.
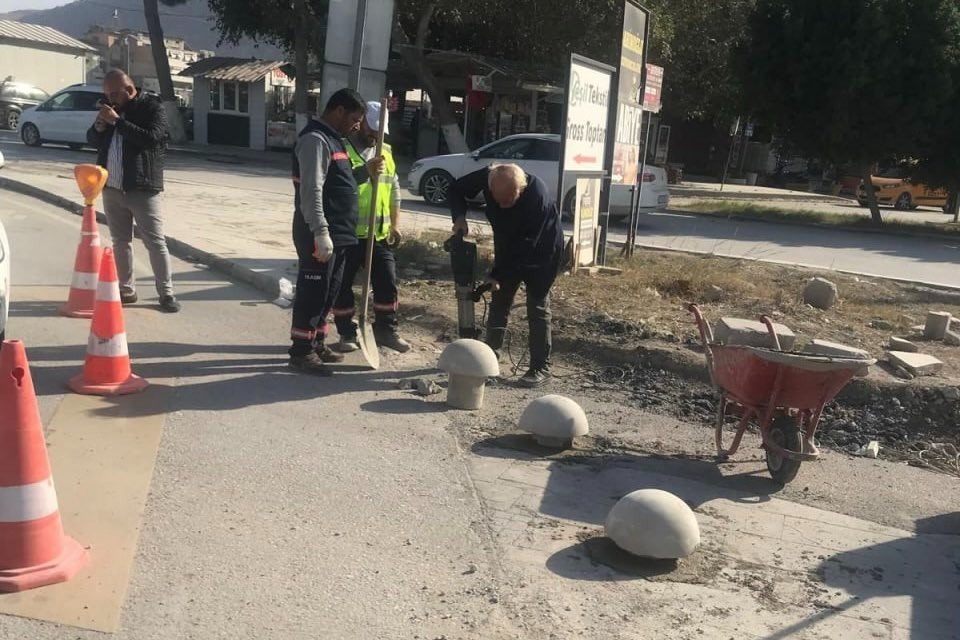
[589,89]
[630,94]
[653,89]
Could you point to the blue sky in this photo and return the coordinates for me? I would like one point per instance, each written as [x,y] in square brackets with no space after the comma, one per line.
[15,5]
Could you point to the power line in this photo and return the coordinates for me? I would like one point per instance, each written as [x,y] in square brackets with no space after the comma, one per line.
[195,16]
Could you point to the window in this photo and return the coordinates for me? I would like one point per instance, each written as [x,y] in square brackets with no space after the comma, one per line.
[61,102]
[517,149]
[215,95]
[86,101]
[244,97]
[547,150]
[229,96]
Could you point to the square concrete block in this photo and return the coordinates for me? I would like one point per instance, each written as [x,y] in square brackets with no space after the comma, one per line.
[919,364]
[835,350]
[937,324]
[899,344]
[751,333]
[951,338]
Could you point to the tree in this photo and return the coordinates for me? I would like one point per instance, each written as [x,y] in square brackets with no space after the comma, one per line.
[159,49]
[295,25]
[850,81]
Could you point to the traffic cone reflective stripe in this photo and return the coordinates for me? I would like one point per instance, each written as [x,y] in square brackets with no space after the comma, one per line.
[33,548]
[86,267]
[106,370]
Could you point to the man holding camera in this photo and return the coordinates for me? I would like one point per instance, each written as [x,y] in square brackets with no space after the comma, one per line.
[130,135]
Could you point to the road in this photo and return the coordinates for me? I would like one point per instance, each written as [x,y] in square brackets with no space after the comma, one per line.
[236,500]
[239,210]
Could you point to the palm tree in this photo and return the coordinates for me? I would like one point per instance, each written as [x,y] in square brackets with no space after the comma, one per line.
[159,49]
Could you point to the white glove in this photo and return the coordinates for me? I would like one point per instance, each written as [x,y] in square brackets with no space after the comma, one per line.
[322,247]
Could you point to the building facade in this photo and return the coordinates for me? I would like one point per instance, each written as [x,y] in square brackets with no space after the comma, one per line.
[42,57]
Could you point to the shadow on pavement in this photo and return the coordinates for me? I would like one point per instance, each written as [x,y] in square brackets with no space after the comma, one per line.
[404,406]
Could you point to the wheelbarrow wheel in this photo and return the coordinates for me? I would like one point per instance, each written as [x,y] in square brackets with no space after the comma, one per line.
[785,433]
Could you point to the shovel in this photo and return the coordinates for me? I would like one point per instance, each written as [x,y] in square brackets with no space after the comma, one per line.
[368,343]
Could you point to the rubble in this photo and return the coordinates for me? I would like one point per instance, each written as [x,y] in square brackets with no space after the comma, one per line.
[835,350]
[918,364]
[751,333]
[937,324]
[900,344]
[951,338]
[820,293]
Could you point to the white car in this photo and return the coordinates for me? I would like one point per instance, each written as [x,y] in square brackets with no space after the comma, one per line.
[538,154]
[64,118]
[4,280]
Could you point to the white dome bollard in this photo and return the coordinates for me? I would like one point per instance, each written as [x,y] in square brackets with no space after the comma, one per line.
[468,363]
[651,523]
[554,421]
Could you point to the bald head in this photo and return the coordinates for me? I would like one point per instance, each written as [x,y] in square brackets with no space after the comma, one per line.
[118,87]
[507,182]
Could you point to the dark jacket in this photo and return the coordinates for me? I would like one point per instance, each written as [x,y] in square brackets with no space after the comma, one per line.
[325,191]
[527,237]
[143,126]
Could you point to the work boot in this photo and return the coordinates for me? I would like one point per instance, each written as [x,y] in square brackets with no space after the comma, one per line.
[348,344]
[169,304]
[535,377]
[310,363]
[392,340]
[328,355]
[128,298]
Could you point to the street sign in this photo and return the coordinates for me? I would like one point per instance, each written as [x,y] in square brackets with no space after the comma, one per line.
[357,47]
[653,89]
[588,104]
[585,220]
[630,94]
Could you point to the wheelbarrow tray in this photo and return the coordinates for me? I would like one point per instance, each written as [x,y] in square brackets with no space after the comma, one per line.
[754,376]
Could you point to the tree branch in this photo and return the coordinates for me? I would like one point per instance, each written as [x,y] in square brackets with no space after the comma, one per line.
[423,27]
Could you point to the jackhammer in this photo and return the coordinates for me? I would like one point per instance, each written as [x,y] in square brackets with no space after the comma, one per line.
[463,261]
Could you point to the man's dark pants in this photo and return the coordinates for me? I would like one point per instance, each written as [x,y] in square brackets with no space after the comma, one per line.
[538,283]
[317,287]
[383,277]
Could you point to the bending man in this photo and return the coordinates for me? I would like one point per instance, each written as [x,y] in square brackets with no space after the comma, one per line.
[528,248]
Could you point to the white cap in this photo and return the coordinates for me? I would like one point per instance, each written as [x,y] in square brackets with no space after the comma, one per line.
[373,118]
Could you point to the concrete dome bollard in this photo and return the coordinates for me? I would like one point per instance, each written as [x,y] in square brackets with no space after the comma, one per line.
[554,421]
[651,523]
[468,363]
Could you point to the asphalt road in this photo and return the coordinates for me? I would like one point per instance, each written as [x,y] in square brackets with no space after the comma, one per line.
[227,191]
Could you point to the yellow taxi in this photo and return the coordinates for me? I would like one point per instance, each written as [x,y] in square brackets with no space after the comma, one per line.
[903,194]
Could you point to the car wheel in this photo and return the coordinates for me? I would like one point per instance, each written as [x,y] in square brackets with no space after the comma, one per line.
[904,202]
[566,212]
[30,135]
[12,119]
[435,187]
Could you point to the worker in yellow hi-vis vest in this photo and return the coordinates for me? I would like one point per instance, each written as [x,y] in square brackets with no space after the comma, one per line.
[361,148]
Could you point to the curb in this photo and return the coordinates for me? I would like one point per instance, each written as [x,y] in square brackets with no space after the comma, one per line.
[262,282]
[817,225]
[718,195]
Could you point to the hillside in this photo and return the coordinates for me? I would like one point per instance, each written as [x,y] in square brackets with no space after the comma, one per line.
[191,21]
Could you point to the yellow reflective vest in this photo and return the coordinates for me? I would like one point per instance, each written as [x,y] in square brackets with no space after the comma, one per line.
[384,194]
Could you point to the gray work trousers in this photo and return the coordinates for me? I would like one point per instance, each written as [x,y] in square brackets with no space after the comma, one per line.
[123,208]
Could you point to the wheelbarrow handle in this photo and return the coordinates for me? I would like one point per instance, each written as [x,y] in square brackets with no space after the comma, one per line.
[706,333]
[765,319]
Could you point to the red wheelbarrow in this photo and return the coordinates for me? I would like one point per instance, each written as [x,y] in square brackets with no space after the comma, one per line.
[783,393]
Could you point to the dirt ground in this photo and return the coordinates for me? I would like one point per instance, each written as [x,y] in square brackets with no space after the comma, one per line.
[631,332]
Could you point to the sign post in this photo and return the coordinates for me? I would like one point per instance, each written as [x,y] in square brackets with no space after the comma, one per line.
[585,145]
[357,47]
[631,94]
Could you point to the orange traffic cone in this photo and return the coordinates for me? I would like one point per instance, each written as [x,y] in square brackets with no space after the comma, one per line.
[33,549]
[86,266]
[106,371]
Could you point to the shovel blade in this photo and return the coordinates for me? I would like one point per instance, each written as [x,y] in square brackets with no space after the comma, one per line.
[368,344]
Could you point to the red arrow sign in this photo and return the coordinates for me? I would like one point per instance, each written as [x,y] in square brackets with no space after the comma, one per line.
[580,159]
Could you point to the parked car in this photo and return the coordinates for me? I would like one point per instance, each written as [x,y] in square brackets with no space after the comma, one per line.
[63,119]
[4,281]
[15,98]
[1,160]
[903,194]
[538,155]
